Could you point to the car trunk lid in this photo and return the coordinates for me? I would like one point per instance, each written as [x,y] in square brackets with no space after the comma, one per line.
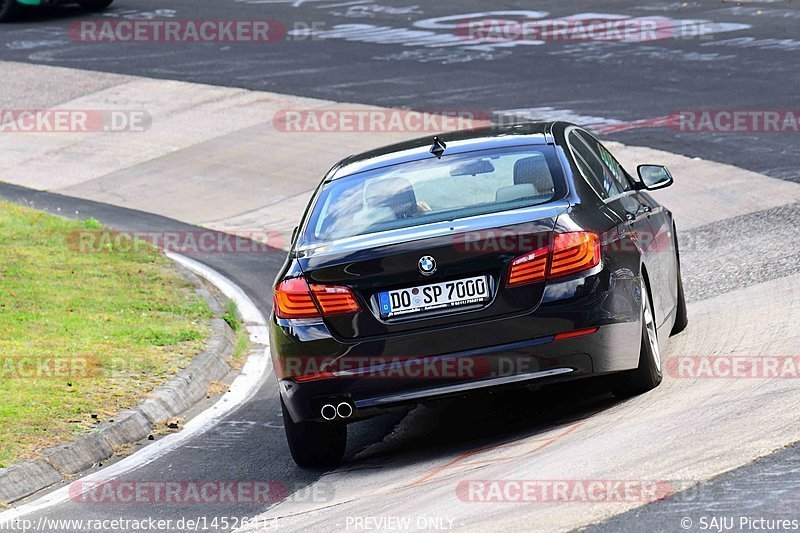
[467,249]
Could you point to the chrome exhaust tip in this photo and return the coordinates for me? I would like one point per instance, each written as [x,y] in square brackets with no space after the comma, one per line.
[328,412]
[344,410]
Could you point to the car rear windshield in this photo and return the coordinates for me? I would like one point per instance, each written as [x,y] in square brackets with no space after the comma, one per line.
[434,190]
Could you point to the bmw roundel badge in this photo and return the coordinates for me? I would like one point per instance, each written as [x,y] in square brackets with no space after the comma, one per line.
[427,265]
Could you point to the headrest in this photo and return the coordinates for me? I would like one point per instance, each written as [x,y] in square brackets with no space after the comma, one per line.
[396,193]
[515,192]
[534,170]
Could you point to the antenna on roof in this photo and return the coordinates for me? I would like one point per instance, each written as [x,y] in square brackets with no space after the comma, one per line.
[438,147]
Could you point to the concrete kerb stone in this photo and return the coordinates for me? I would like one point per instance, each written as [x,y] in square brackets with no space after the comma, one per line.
[180,393]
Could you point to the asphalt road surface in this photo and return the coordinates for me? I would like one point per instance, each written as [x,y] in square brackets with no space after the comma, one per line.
[724,56]
[249,445]
[406,54]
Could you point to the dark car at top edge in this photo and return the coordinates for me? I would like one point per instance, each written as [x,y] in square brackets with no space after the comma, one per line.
[481,260]
[10,9]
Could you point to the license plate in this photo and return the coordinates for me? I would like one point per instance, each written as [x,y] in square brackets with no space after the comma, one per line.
[434,296]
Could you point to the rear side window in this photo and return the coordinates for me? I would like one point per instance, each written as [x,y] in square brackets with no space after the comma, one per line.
[435,190]
[602,170]
[589,164]
[610,163]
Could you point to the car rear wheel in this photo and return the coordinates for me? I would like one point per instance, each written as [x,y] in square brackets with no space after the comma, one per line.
[649,374]
[8,10]
[95,5]
[315,444]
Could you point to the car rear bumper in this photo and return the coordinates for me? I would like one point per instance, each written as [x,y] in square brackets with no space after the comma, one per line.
[382,373]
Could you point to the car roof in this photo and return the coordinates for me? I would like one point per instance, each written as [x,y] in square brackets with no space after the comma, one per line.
[457,142]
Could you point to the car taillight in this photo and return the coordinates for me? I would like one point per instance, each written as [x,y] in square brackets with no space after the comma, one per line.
[295,298]
[574,252]
[529,268]
[571,253]
[335,300]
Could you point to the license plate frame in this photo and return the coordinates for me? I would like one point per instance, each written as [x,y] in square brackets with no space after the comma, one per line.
[437,296]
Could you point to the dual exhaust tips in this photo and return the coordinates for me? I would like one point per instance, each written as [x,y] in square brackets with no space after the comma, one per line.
[332,412]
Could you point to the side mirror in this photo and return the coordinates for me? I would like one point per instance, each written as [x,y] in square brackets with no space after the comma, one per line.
[654,177]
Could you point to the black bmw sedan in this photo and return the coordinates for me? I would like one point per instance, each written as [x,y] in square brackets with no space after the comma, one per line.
[494,258]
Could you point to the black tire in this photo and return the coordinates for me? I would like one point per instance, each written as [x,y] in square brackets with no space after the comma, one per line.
[681,314]
[315,444]
[649,373]
[8,10]
[95,5]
